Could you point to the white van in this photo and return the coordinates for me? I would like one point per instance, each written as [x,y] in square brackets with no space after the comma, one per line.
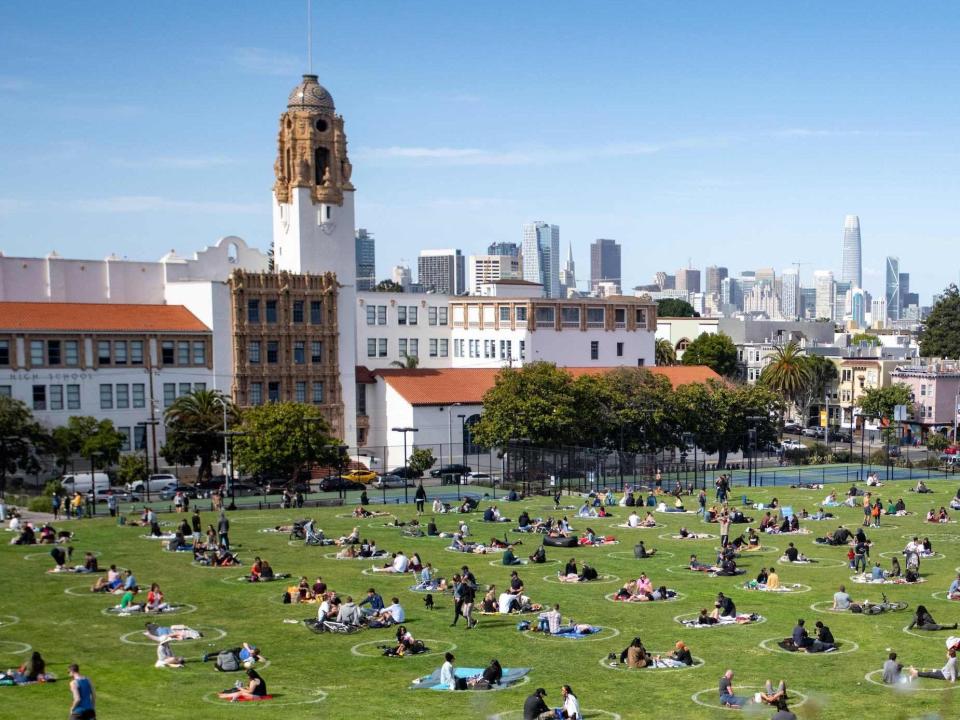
[156,483]
[83,483]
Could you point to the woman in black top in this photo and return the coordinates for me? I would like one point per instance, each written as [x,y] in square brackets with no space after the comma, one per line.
[493,672]
[571,567]
[923,620]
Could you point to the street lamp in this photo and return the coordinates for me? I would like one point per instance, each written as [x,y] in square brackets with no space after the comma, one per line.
[228,437]
[406,466]
[463,449]
[152,422]
[752,421]
[688,440]
[450,427]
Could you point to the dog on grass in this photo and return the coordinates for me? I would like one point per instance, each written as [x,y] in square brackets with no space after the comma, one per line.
[428,601]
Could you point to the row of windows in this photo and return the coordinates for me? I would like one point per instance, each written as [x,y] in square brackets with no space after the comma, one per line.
[298,311]
[407,347]
[298,352]
[52,397]
[472,348]
[181,352]
[300,389]
[546,315]
[171,391]
[122,396]
[407,315]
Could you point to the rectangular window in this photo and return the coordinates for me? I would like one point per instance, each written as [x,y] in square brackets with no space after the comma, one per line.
[594,317]
[619,349]
[371,347]
[120,352]
[402,346]
[299,352]
[412,315]
[271,313]
[184,389]
[431,316]
[316,351]
[620,317]
[253,352]
[199,352]
[273,351]
[298,311]
[73,397]
[4,352]
[106,397]
[371,314]
[523,349]
[103,352]
[490,348]
[509,349]
[71,353]
[544,316]
[640,317]
[124,438]
[53,352]
[123,396]
[594,350]
[136,352]
[256,393]
[444,347]
[139,398]
[167,350]
[36,353]
[570,316]
[521,314]
[39,397]
[6,391]
[504,313]
[199,387]
[253,311]
[414,348]
[56,397]
[923,390]
[300,391]
[139,437]
[316,313]
[381,314]
[433,347]
[169,394]
[273,392]
[443,315]
[317,396]
[183,352]
[402,315]
[382,347]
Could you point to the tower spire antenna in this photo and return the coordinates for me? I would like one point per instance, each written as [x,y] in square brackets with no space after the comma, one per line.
[310,37]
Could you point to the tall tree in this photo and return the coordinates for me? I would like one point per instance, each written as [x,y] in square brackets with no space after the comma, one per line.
[91,436]
[663,352]
[940,337]
[788,373]
[675,307]
[823,373]
[194,426]
[641,405]
[715,350]
[880,402]
[19,436]
[281,439]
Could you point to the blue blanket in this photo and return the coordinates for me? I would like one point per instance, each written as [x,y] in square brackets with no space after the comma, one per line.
[578,635]
[432,681]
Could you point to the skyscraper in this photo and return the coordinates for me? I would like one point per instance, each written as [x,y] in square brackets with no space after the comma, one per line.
[892,293]
[366,260]
[604,262]
[714,276]
[402,276]
[824,286]
[541,256]
[790,294]
[483,269]
[504,248]
[688,280]
[850,267]
[442,271]
[568,276]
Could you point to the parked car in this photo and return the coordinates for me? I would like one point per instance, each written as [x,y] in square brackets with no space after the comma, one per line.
[391,481]
[792,428]
[168,492]
[205,488]
[406,472]
[363,476]
[840,436]
[155,483]
[119,494]
[792,445]
[455,469]
[894,452]
[245,490]
[84,483]
[334,483]
[811,432]
[481,478]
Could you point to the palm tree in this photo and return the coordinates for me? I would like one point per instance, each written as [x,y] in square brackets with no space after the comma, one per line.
[788,373]
[664,353]
[194,425]
[409,362]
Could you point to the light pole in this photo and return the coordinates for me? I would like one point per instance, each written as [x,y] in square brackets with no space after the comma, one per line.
[223,404]
[406,466]
[463,448]
[752,421]
[228,437]
[450,428]
[152,422]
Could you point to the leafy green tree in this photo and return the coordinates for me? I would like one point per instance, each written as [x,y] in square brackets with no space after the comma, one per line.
[61,443]
[940,337]
[822,375]
[675,307]
[388,286]
[535,402]
[640,404]
[880,402]
[421,460]
[863,337]
[19,436]
[280,439]
[937,442]
[133,468]
[194,423]
[664,354]
[92,436]
[715,350]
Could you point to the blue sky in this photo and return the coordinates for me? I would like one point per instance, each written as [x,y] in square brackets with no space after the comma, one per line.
[728,133]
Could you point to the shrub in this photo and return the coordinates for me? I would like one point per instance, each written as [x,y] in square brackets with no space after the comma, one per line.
[842,456]
[937,442]
[878,457]
[53,486]
[799,456]
[40,504]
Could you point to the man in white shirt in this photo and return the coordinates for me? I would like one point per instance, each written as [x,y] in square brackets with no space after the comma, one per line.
[841,600]
[634,519]
[323,612]
[400,563]
[913,547]
[447,672]
[395,611]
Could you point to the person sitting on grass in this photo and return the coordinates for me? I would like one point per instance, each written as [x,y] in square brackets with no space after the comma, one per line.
[724,607]
[953,593]
[948,672]
[165,656]
[127,603]
[892,671]
[509,558]
[255,688]
[539,556]
[640,551]
[155,601]
[349,613]
[793,555]
[728,696]
[773,579]
[923,620]
[33,670]
[400,565]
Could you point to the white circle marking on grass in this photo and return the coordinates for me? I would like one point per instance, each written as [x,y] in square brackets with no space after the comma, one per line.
[588,714]
[693,616]
[697,663]
[8,620]
[941,595]
[628,554]
[821,563]
[601,635]
[790,693]
[870,677]
[846,646]
[898,554]
[611,596]
[183,609]
[447,647]
[927,634]
[701,537]
[601,580]
[828,610]
[525,563]
[34,556]
[20,648]
[795,589]
[143,640]
[277,701]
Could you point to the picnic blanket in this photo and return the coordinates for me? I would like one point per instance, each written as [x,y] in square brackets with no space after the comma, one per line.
[738,620]
[578,634]
[868,580]
[432,681]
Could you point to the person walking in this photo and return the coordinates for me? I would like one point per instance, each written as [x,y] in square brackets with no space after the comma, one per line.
[55,505]
[84,702]
[112,504]
[420,497]
[223,531]
[458,585]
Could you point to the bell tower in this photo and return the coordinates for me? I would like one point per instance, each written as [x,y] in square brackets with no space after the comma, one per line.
[313,214]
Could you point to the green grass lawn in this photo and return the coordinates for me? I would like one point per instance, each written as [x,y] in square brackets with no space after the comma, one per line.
[305,667]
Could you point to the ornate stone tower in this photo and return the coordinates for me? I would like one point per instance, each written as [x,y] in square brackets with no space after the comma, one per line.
[313,214]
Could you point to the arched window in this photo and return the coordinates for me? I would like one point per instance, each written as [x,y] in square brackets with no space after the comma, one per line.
[233,253]
[321,161]
[682,345]
[469,446]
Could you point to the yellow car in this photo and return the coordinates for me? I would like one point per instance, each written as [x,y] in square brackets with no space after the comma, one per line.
[364,476]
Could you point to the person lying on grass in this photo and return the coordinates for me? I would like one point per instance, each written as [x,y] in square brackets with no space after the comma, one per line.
[255,688]
[948,672]
[174,632]
[923,620]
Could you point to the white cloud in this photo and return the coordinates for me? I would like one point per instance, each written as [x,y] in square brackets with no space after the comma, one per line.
[120,204]
[261,61]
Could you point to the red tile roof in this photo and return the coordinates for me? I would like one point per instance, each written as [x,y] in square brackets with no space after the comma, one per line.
[97,317]
[445,386]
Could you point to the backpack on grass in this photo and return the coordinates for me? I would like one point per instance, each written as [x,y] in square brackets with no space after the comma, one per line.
[227,661]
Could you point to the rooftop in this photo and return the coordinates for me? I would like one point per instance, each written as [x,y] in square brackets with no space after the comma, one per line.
[445,386]
[97,317]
